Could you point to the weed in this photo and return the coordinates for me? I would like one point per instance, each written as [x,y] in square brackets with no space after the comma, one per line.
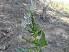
[35,32]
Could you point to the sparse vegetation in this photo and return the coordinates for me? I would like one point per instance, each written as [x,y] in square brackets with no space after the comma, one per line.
[24,31]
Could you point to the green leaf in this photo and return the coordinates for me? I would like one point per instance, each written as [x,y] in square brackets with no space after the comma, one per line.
[43,35]
[35,41]
[31,12]
[42,39]
[40,50]
[46,43]
[34,29]
[18,49]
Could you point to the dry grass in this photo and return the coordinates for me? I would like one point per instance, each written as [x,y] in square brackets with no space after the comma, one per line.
[60,6]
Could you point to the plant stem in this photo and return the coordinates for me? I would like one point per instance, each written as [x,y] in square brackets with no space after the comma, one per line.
[26,39]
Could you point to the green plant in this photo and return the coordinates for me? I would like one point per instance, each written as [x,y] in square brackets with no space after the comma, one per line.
[35,32]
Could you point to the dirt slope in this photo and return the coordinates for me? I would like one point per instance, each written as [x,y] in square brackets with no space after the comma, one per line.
[12,25]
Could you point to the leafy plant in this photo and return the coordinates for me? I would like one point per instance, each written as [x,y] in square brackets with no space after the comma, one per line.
[35,32]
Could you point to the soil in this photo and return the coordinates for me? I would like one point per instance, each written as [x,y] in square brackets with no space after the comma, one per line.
[12,24]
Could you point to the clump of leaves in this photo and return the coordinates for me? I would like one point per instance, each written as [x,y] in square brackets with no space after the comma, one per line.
[35,32]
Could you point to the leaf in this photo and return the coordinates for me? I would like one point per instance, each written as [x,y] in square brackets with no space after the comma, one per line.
[43,35]
[18,49]
[40,50]
[31,12]
[35,41]
[42,39]
[46,43]
[34,29]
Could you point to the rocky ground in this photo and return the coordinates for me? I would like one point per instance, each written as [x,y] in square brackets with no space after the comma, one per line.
[12,24]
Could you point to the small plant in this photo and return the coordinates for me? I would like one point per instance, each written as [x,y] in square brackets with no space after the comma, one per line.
[35,32]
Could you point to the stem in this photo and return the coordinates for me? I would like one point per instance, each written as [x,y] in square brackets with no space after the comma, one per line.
[37,49]
[26,39]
